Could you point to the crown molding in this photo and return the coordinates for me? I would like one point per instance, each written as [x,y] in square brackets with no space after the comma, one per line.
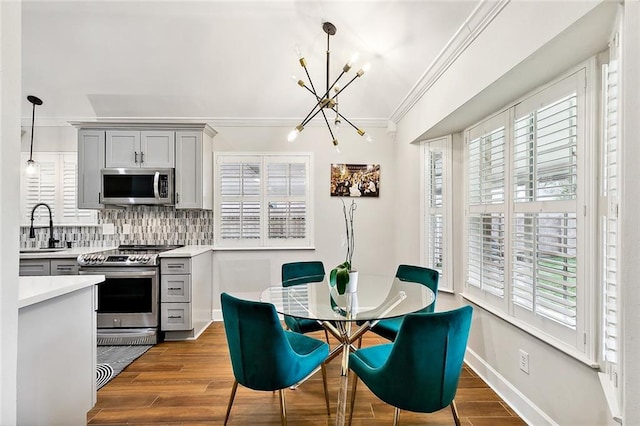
[471,28]
[214,122]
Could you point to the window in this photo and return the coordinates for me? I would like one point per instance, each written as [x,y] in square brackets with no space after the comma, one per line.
[54,183]
[263,200]
[436,205]
[528,190]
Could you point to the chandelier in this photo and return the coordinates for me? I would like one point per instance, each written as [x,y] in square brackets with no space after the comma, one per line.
[328,100]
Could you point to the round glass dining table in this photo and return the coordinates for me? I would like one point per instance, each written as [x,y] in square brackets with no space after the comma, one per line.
[377,297]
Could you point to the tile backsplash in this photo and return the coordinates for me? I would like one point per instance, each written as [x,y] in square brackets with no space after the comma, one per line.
[146,225]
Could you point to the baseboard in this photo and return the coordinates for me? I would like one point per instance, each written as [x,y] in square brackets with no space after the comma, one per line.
[216,314]
[525,408]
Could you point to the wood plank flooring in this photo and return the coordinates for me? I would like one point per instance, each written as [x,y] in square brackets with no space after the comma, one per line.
[188,383]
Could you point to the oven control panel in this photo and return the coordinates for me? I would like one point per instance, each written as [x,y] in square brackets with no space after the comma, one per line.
[98,259]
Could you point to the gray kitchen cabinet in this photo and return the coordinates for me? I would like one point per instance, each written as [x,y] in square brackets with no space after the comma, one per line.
[64,267]
[194,169]
[146,149]
[187,147]
[33,267]
[91,150]
[185,295]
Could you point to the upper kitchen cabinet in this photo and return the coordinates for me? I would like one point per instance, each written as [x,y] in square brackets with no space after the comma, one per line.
[91,149]
[147,149]
[185,147]
[194,168]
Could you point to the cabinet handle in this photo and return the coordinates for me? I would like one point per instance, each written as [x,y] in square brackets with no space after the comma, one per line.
[174,266]
[141,157]
[65,268]
[175,316]
[135,157]
[177,198]
[174,288]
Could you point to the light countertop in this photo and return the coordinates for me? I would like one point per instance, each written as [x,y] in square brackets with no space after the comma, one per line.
[71,253]
[32,290]
[186,251]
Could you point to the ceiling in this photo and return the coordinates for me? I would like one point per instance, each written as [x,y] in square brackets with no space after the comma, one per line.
[224,61]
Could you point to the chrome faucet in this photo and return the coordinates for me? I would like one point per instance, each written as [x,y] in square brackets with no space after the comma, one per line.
[32,232]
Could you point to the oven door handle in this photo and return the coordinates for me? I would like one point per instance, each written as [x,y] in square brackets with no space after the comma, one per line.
[109,274]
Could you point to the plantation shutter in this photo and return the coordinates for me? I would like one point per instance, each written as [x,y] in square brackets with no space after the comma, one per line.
[286,198]
[610,221]
[39,187]
[262,200]
[240,193]
[486,156]
[53,183]
[545,170]
[437,205]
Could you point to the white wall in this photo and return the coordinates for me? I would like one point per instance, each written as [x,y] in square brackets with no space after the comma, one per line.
[558,389]
[49,138]
[254,270]
[10,89]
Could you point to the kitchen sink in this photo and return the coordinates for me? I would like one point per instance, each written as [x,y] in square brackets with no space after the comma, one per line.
[42,250]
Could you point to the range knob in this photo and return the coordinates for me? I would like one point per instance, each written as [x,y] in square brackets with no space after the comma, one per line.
[145,258]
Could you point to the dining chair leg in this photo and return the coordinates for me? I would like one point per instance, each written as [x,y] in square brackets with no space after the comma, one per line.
[353,396]
[283,410]
[231,398]
[454,411]
[396,416]
[326,336]
[324,384]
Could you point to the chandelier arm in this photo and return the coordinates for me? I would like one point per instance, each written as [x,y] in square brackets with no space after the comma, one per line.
[309,117]
[326,94]
[347,120]
[310,81]
[346,85]
[328,126]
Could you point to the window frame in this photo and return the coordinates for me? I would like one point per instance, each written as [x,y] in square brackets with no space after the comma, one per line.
[427,147]
[263,242]
[581,343]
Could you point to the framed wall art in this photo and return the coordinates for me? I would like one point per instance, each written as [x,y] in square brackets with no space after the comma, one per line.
[355,180]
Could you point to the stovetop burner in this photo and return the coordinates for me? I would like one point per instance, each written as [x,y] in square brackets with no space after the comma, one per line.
[126,255]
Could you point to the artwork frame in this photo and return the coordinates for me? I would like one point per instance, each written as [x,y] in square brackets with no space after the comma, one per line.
[355,180]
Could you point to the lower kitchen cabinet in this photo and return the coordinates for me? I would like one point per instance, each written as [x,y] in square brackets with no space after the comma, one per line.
[185,295]
[34,267]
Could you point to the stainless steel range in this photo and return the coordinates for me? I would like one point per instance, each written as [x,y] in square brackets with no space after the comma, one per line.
[128,300]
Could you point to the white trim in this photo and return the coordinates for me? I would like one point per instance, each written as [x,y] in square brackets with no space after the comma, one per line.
[524,326]
[523,406]
[484,13]
[611,395]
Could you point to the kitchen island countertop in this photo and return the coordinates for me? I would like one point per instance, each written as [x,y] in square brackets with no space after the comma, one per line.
[32,290]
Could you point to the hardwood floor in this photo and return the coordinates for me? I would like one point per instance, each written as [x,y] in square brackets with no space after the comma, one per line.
[188,383]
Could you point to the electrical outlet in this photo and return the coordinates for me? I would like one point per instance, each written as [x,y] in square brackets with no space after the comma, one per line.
[524,361]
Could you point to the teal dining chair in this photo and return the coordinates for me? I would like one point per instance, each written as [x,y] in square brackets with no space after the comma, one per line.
[264,356]
[296,273]
[420,370]
[388,328]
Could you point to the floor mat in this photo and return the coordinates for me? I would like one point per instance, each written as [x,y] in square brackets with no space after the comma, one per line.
[113,359]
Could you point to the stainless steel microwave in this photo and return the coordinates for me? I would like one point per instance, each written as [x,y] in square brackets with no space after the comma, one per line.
[123,186]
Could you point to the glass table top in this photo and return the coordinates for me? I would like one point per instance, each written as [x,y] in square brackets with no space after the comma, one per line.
[377,297]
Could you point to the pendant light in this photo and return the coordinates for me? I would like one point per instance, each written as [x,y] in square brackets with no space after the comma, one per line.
[31,165]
